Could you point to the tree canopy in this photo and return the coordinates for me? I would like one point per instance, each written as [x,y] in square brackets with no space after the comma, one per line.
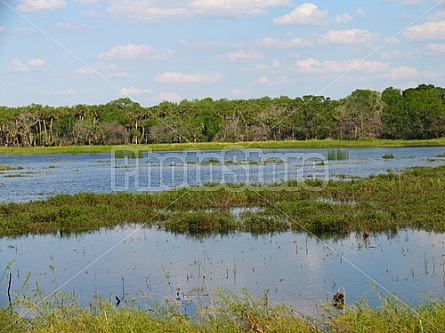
[415,113]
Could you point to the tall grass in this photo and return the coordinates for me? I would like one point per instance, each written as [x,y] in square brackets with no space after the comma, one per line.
[227,313]
[337,154]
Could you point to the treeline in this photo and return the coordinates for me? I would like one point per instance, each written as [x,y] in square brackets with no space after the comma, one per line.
[415,113]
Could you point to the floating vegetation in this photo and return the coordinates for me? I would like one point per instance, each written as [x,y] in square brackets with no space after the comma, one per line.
[9,167]
[388,156]
[338,154]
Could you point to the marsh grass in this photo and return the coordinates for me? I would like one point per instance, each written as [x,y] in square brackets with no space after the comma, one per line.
[228,312]
[337,154]
[411,199]
[222,145]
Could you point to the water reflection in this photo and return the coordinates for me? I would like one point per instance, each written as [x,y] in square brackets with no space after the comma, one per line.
[294,269]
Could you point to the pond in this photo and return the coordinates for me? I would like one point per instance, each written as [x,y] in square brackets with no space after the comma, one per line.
[291,268]
[150,265]
[39,176]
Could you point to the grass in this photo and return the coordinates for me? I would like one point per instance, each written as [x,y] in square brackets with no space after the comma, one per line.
[223,145]
[388,156]
[413,199]
[9,167]
[226,313]
[337,154]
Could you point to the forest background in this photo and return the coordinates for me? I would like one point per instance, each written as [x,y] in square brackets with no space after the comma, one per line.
[414,113]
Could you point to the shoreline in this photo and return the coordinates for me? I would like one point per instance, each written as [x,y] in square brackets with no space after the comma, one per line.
[374,143]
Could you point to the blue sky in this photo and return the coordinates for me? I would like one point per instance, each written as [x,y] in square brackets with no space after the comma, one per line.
[60,52]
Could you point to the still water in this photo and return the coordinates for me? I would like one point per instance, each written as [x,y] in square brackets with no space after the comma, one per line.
[151,265]
[40,176]
[297,270]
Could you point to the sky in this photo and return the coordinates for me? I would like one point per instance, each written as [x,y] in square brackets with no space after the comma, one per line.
[64,53]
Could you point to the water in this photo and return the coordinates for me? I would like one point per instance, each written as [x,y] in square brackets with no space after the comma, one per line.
[151,265]
[41,176]
[296,269]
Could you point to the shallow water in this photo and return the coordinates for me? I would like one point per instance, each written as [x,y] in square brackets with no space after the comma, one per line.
[45,175]
[298,270]
[151,265]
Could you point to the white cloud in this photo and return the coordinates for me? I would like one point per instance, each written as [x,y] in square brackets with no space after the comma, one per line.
[312,65]
[235,7]
[274,65]
[108,70]
[402,72]
[343,18]
[71,27]
[240,92]
[24,31]
[275,42]
[142,10]
[132,91]
[2,28]
[266,81]
[349,36]
[436,48]
[61,92]
[177,77]
[309,14]
[168,96]
[136,51]
[243,55]
[30,6]
[427,31]
[31,65]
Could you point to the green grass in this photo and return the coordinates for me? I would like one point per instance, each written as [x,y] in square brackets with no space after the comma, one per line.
[337,154]
[413,199]
[224,145]
[227,313]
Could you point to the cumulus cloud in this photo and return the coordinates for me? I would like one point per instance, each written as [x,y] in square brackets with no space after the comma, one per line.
[436,48]
[136,51]
[30,6]
[243,55]
[275,42]
[31,65]
[309,14]
[177,77]
[24,31]
[142,10]
[266,81]
[132,91]
[428,31]
[240,92]
[402,72]
[312,65]
[168,96]
[235,7]
[71,26]
[349,36]
[108,70]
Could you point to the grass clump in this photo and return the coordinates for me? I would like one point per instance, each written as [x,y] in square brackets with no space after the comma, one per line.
[388,156]
[337,154]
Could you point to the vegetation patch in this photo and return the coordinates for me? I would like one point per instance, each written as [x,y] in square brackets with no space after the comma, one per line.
[227,312]
[388,156]
[412,199]
[337,154]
